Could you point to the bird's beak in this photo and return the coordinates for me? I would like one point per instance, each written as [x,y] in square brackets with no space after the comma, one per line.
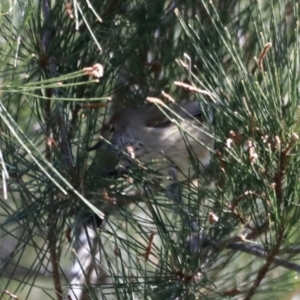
[95,147]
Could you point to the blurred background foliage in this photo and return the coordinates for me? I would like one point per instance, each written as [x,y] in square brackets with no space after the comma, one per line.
[51,111]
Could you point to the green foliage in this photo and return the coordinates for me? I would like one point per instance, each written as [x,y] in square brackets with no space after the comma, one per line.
[239,57]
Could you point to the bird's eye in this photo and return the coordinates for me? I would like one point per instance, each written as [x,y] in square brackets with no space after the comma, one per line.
[112,129]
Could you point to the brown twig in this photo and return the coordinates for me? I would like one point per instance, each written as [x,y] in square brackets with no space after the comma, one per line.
[263,54]
[193,89]
[264,270]
[148,248]
[245,194]
[249,248]
[239,216]
[168,97]
[278,180]
[261,253]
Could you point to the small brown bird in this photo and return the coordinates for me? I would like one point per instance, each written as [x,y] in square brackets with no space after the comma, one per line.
[146,133]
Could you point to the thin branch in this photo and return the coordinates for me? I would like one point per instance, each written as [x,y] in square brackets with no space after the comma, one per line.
[261,253]
[52,217]
[198,241]
[264,270]
[54,260]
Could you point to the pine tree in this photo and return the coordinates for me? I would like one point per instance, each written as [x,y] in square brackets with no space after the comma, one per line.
[72,227]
